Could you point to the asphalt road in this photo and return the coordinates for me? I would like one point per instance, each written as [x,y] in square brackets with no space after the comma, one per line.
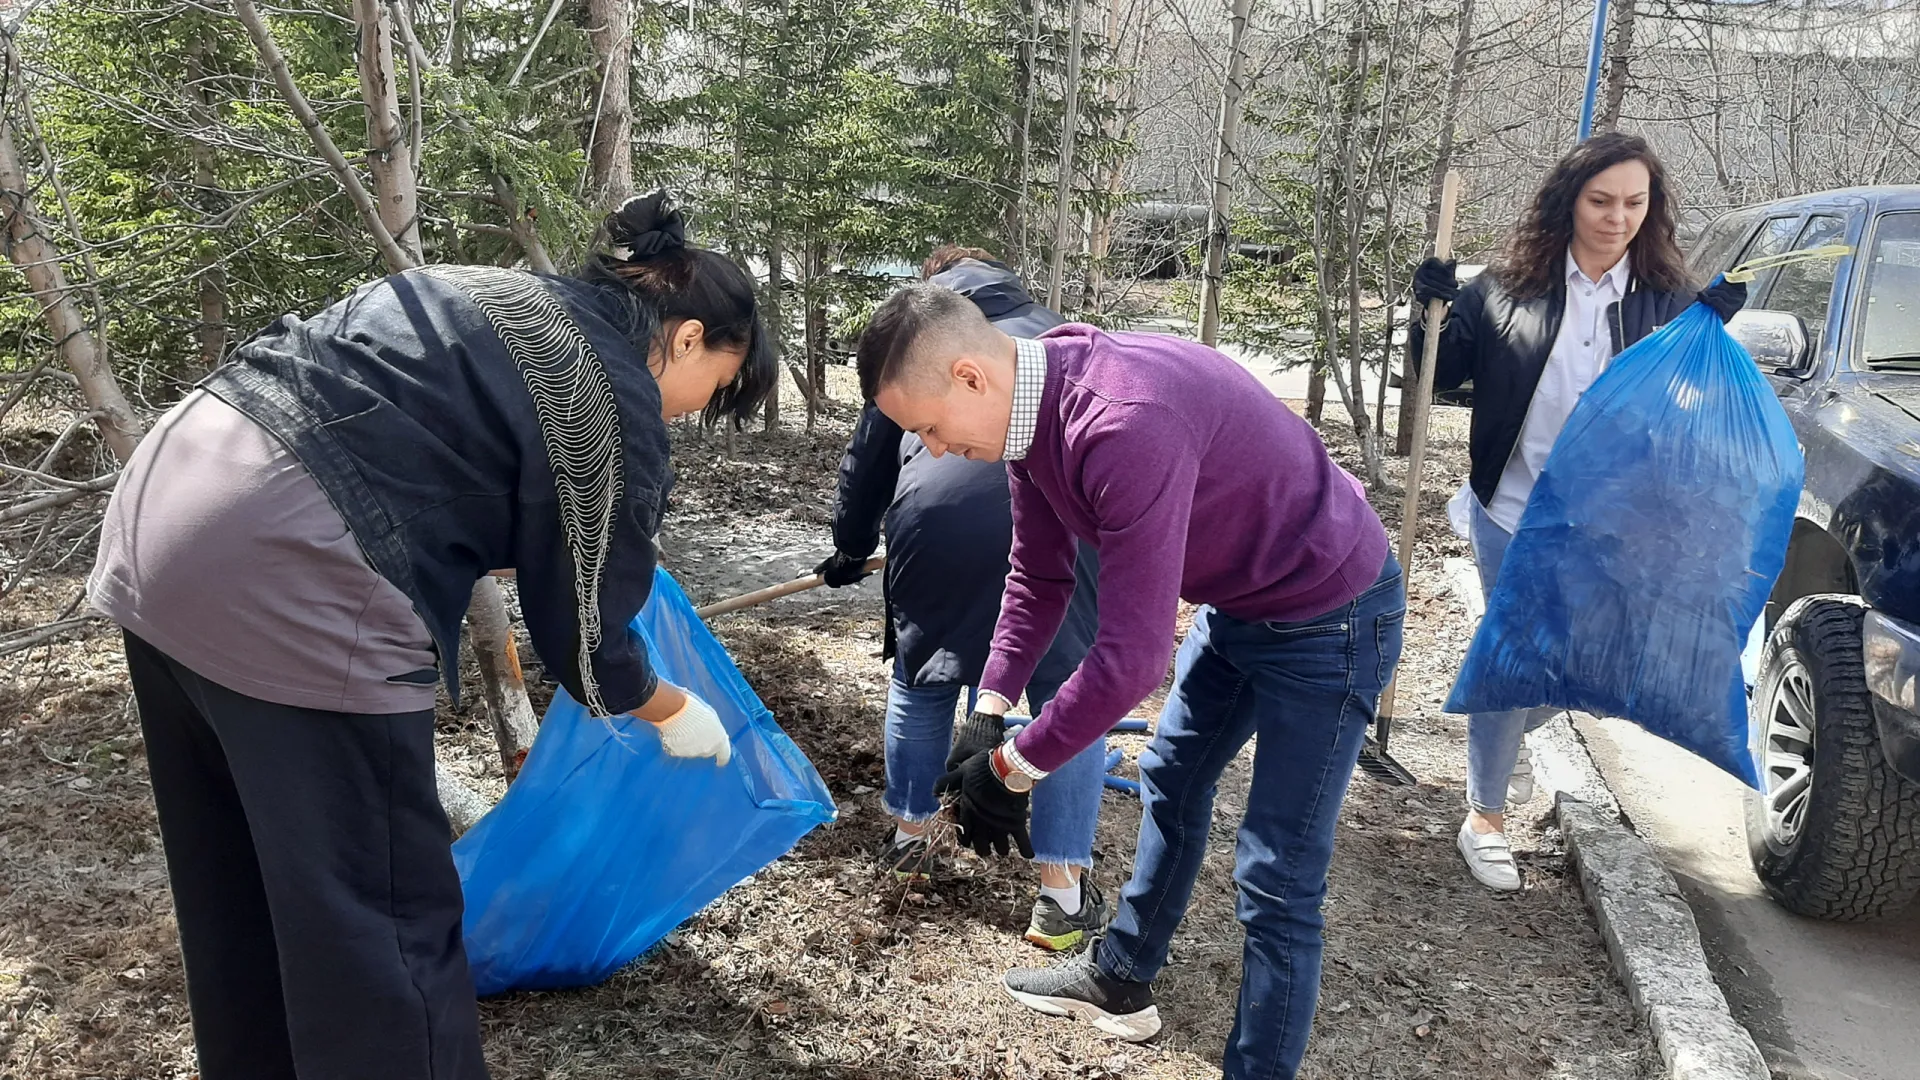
[1825,1001]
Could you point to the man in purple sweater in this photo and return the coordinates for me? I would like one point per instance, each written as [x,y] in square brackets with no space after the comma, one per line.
[1192,482]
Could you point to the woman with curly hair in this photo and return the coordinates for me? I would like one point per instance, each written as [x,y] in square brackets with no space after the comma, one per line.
[1591,268]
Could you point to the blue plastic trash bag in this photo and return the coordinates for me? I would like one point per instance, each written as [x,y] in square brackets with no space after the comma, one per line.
[1648,548]
[603,844]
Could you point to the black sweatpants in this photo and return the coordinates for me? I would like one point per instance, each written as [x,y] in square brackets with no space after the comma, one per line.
[318,905]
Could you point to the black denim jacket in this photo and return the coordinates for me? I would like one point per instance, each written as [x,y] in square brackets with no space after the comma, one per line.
[405,405]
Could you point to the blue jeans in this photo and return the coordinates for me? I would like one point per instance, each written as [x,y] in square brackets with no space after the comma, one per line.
[1493,739]
[1308,691]
[1066,805]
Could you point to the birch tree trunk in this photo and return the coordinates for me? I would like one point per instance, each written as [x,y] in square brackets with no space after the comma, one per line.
[31,249]
[1617,66]
[397,204]
[1025,70]
[610,139]
[388,156]
[1226,155]
[211,333]
[814,329]
[1063,196]
[1442,161]
[1127,102]
[392,253]
[501,680]
[776,321]
[462,805]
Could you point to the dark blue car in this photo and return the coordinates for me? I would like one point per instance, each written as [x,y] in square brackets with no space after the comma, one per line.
[1836,702]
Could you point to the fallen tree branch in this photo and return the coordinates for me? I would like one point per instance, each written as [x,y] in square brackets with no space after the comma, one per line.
[49,478]
[40,635]
[59,498]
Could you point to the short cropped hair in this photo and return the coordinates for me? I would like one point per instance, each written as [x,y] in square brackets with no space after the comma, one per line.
[915,315]
[944,256]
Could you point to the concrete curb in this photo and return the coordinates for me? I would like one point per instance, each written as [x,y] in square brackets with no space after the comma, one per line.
[1649,930]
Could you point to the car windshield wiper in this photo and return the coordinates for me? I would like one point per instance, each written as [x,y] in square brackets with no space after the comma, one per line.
[1909,362]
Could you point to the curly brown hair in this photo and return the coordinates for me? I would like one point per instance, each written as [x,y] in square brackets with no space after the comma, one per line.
[1536,249]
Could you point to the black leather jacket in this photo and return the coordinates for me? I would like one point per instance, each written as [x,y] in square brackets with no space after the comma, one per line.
[404,404]
[1502,345]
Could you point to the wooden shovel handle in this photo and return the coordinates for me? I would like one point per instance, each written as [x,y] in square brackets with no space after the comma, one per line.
[1436,316]
[775,592]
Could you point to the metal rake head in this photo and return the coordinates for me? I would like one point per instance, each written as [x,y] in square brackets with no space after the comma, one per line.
[1377,763]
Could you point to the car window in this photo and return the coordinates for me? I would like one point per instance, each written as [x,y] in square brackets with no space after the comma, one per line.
[1713,252]
[1806,288]
[1775,236]
[1890,320]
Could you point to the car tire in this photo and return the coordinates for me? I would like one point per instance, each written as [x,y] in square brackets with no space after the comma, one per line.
[1843,843]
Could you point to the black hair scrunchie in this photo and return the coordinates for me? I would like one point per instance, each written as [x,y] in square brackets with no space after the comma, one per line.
[647,225]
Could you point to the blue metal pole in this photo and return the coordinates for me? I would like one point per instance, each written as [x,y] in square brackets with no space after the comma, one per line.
[1595,50]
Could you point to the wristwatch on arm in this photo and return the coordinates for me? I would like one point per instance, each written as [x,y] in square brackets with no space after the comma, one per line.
[1012,770]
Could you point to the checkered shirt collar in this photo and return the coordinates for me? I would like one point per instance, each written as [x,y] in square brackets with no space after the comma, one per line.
[1029,383]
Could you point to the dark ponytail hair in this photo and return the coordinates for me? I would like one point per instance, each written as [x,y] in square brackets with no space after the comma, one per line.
[675,282]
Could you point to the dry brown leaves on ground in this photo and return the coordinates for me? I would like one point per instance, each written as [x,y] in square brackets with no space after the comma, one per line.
[819,967]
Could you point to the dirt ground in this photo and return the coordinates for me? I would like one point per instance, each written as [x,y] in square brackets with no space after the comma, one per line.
[819,967]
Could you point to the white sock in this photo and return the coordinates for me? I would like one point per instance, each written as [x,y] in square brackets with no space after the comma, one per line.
[901,836]
[1068,897]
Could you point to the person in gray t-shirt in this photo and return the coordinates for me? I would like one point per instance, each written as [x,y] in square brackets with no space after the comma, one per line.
[290,552]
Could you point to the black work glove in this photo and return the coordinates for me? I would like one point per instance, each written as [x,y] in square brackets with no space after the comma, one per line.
[1434,280]
[1726,298]
[991,819]
[841,570]
[982,731]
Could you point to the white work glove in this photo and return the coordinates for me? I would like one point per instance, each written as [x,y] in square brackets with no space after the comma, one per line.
[695,732]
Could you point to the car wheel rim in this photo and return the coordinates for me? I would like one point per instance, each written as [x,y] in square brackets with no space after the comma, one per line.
[1788,752]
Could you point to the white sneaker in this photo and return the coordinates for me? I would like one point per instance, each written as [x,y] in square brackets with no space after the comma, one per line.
[1520,782]
[1490,859]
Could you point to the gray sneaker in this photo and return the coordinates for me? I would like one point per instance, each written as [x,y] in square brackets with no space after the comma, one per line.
[1052,928]
[909,859]
[1077,988]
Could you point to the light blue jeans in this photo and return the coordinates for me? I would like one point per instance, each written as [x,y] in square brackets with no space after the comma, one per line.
[1493,739]
[1066,805]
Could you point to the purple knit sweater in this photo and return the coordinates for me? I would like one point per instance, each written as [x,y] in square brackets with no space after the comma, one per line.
[1193,481]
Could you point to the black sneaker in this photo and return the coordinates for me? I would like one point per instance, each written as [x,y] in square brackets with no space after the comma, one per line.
[1076,988]
[1052,928]
[908,858]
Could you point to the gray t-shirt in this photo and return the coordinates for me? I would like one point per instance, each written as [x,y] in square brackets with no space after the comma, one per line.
[222,552]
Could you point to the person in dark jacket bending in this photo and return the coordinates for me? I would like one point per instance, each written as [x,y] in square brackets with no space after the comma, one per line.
[948,528]
[291,551]
[1591,268]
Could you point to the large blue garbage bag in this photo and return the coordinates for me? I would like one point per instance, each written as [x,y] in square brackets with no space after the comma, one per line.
[1648,548]
[604,844]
